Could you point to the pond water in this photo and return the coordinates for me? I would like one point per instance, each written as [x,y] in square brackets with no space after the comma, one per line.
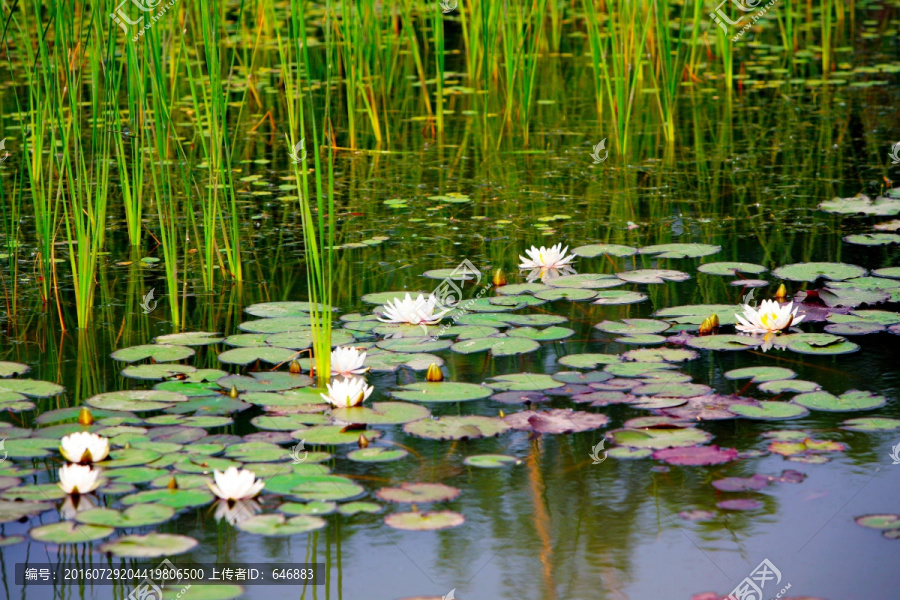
[560,518]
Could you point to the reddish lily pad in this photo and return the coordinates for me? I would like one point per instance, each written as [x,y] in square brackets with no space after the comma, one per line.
[696,455]
[739,504]
[557,420]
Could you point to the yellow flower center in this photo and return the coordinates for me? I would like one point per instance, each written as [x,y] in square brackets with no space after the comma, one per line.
[768,320]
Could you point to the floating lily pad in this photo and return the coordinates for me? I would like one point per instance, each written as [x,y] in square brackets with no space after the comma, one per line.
[739,504]
[190,338]
[377,454]
[15,402]
[177,499]
[276,325]
[854,328]
[696,455]
[29,448]
[11,510]
[741,484]
[491,461]
[205,421]
[871,424]
[789,385]
[671,390]
[873,239]
[204,592]
[456,428]
[592,250]
[498,346]
[588,361]
[316,507]
[557,420]
[442,391]
[8,369]
[456,274]
[536,320]
[515,289]
[523,382]
[614,297]
[579,378]
[418,493]
[315,487]
[660,438]
[544,335]
[382,413]
[892,272]
[814,270]
[852,400]
[281,309]
[272,381]
[353,508]
[591,281]
[658,355]
[623,452]
[561,293]
[760,374]
[266,354]
[879,521]
[836,346]
[852,297]
[638,369]
[138,515]
[291,422]
[334,435]
[31,387]
[248,340]
[680,250]
[644,339]
[413,345]
[67,532]
[424,521]
[653,276]
[278,525]
[724,342]
[729,269]
[632,326]
[158,352]
[878,317]
[256,452]
[695,313]
[383,361]
[136,400]
[157,371]
[862,204]
[150,545]
[764,410]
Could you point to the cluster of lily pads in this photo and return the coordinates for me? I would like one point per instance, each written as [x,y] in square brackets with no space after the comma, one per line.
[157,458]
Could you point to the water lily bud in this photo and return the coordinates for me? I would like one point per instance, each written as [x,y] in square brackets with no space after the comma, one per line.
[295,367]
[233,392]
[362,441]
[434,373]
[172,485]
[781,292]
[499,278]
[709,325]
[85,417]
[502,414]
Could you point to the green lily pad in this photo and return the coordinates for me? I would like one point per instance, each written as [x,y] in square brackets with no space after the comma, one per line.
[129,457]
[543,335]
[248,340]
[15,402]
[266,354]
[278,525]
[205,421]
[491,461]
[418,493]
[256,452]
[765,410]
[455,273]
[852,400]
[873,239]
[588,361]
[590,281]
[523,382]
[877,317]
[316,487]
[694,314]
[639,369]
[388,362]
[158,352]
[624,452]
[730,269]
[304,397]
[854,328]
[276,325]
[273,381]
[138,515]
[34,493]
[671,390]
[814,270]
[190,338]
[592,250]
[377,454]
[871,424]
[413,345]
[514,289]
[760,374]
[333,435]
[724,342]
[879,521]
[789,385]
[316,507]
[680,250]
[456,428]
[645,339]
[177,499]
[618,297]
[281,309]
[536,320]
[11,540]
[424,521]
[8,369]
[632,326]
[134,474]
[891,272]
[839,346]
[352,508]
[498,346]
[30,448]
[442,391]
[67,532]
[290,422]
[156,371]
[301,340]
[852,297]
[136,400]
[653,276]
[149,546]
[862,204]
[561,293]
[658,355]
[660,438]
[221,591]
[382,413]
[31,387]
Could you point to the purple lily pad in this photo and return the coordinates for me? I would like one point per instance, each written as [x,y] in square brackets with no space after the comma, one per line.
[710,407]
[741,484]
[696,455]
[569,390]
[697,515]
[618,384]
[604,398]
[520,397]
[816,313]
[557,420]
[582,377]
[739,504]
[271,437]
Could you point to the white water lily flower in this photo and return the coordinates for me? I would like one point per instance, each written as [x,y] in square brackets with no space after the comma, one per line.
[414,312]
[548,274]
[546,258]
[84,447]
[78,479]
[235,512]
[769,317]
[347,392]
[235,484]
[347,361]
